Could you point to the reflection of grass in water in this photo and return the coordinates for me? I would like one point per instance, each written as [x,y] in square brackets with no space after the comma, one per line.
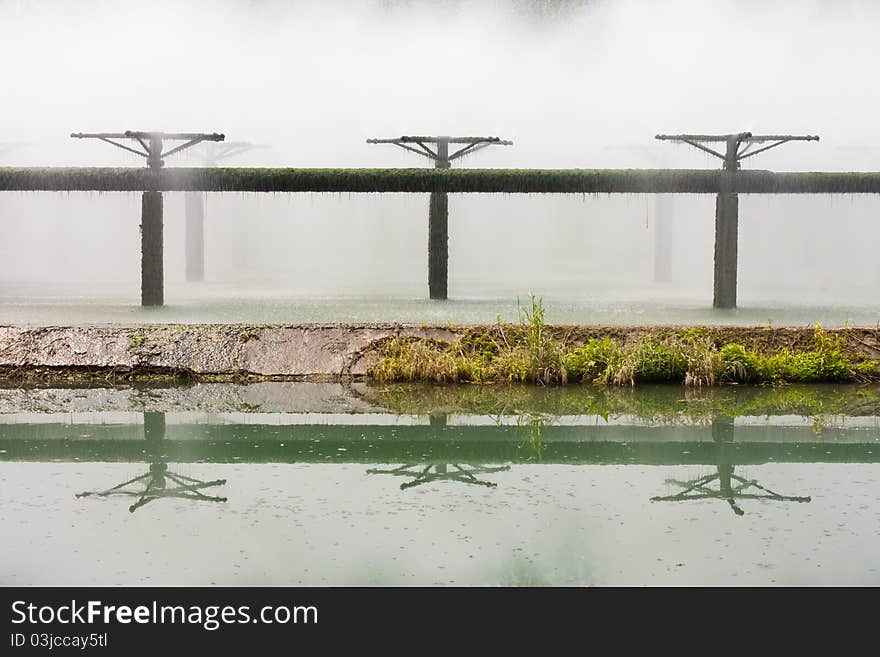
[660,403]
[533,425]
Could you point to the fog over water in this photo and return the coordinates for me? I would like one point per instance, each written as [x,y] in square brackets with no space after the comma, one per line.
[585,84]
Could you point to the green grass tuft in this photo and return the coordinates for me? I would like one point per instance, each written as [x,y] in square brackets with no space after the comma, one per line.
[532,352]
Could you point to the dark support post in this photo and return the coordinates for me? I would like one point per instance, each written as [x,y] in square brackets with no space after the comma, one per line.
[438,229]
[152,275]
[438,243]
[726,232]
[195,237]
[663,239]
[726,236]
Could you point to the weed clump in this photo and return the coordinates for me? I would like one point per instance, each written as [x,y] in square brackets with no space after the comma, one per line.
[532,352]
[826,361]
[412,359]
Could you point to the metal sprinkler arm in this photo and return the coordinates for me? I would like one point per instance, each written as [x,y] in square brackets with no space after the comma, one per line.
[706,138]
[151,142]
[451,140]
[705,149]
[779,140]
[699,141]
[734,141]
[417,145]
[424,152]
[477,145]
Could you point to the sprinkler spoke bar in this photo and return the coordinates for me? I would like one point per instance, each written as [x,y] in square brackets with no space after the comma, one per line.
[438,206]
[152,142]
[738,146]
[152,247]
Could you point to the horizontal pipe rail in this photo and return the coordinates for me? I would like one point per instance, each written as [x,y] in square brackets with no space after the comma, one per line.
[508,181]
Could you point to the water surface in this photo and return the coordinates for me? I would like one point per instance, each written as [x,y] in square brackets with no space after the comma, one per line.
[319,484]
[223,303]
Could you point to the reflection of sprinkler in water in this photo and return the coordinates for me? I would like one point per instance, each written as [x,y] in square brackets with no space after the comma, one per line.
[699,488]
[155,482]
[422,474]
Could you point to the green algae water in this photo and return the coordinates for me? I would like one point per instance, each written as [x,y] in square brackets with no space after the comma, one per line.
[326,484]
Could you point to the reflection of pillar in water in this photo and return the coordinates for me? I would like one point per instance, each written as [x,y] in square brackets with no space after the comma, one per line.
[154,434]
[438,424]
[722,434]
[154,426]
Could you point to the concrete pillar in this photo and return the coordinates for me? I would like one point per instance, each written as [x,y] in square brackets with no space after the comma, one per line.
[152,275]
[438,230]
[438,244]
[195,237]
[726,231]
[662,238]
